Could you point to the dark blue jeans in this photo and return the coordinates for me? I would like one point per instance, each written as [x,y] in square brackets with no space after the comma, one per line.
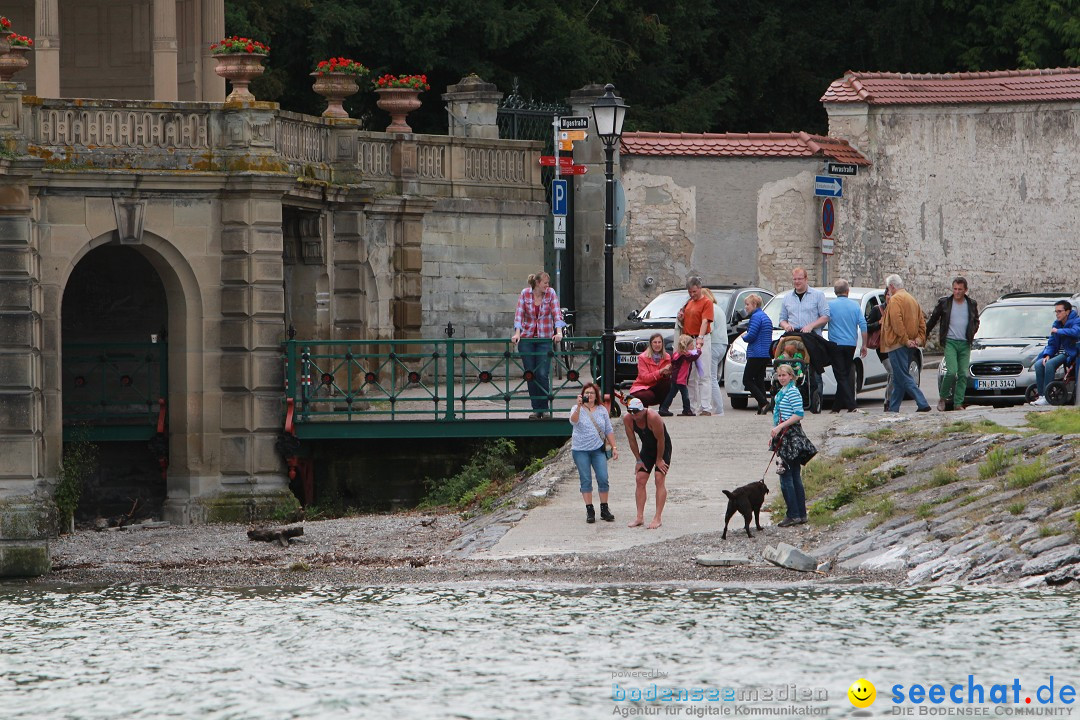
[534,357]
[1044,374]
[794,495]
[903,383]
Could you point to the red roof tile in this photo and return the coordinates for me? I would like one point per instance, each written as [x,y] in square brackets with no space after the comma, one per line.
[1005,86]
[798,144]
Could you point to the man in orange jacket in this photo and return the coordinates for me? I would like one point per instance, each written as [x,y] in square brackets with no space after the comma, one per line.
[903,328]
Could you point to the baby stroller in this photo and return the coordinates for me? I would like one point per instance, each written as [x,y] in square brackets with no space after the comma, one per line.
[791,350]
[1061,392]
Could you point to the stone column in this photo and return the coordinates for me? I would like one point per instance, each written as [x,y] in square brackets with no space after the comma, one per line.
[212,14]
[165,51]
[472,107]
[398,224]
[252,326]
[26,511]
[47,49]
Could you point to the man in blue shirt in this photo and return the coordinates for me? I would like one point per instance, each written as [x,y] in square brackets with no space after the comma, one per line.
[846,322]
[805,310]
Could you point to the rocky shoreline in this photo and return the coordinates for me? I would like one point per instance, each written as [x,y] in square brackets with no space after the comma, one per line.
[899,501]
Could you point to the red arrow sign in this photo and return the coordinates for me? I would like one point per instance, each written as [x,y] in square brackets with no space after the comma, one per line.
[574,170]
[549,160]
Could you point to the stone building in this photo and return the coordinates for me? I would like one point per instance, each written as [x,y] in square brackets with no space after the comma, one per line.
[975,174]
[734,208]
[200,232]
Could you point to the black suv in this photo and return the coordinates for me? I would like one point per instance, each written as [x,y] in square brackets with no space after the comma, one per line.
[659,315]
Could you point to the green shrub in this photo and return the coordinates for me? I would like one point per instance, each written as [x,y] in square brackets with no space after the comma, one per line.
[79,462]
[996,461]
[1016,508]
[488,469]
[1022,476]
[1048,531]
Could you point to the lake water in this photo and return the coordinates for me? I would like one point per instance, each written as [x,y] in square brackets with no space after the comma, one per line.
[509,652]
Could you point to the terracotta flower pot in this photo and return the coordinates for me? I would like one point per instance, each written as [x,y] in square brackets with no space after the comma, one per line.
[399,102]
[335,87]
[240,69]
[5,44]
[12,61]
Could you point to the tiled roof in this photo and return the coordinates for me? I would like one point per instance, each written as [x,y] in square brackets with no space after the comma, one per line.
[759,145]
[1006,86]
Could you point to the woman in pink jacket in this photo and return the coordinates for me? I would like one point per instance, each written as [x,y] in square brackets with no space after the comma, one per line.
[653,373]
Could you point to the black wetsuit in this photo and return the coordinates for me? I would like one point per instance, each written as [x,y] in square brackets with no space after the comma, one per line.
[647,443]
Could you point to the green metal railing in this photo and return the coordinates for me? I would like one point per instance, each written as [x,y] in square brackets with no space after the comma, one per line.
[446,380]
[114,388]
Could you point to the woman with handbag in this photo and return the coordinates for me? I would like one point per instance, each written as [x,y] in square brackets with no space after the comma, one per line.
[787,434]
[592,443]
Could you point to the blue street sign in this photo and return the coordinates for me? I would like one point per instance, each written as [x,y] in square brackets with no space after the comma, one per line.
[828,186]
[558,197]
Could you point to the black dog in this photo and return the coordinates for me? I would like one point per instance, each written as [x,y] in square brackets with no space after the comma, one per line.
[746,500]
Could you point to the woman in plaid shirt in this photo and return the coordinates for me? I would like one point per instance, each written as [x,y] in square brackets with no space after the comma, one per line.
[537,323]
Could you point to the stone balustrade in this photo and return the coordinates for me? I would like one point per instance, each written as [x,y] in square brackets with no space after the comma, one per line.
[211,137]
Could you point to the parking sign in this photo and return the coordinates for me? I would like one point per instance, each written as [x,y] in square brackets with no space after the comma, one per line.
[558,197]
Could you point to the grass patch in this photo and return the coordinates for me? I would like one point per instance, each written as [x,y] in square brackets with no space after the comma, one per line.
[960,426]
[1022,476]
[882,510]
[924,511]
[299,566]
[481,481]
[880,434]
[996,461]
[1016,508]
[944,475]
[1064,421]
[1046,531]
[852,453]
[1076,520]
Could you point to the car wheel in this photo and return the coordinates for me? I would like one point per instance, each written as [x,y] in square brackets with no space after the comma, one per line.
[739,402]
[1057,393]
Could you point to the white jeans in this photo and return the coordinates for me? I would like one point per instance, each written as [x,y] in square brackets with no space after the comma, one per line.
[701,396]
[718,353]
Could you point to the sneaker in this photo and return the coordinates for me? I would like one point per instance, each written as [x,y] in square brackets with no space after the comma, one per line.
[704,413]
[687,413]
[800,521]
[1041,402]
[590,514]
[605,514]
[787,522]
[664,413]
[925,408]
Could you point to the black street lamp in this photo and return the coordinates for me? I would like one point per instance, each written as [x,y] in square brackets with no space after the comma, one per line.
[609,111]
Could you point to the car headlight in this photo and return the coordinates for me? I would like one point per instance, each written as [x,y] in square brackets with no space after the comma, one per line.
[737,355]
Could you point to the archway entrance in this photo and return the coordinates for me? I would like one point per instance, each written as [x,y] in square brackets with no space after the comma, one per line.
[114,321]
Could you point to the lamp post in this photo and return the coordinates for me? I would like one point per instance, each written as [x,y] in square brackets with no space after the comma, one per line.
[609,111]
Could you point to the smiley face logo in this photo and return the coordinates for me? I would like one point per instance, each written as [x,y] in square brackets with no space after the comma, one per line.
[862,693]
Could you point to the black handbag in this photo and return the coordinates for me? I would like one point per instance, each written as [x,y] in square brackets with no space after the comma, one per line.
[795,447]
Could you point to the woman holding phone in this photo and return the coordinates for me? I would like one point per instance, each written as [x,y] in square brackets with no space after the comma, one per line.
[593,438]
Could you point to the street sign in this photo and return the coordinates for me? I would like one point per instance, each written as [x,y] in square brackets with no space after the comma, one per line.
[848,169]
[574,170]
[574,122]
[560,241]
[560,223]
[828,217]
[549,160]
[573,134]
[558,197]
[828,186]
[827,246]
[566,145]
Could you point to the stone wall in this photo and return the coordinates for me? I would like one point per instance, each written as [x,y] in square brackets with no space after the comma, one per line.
[985,191]
[788,236]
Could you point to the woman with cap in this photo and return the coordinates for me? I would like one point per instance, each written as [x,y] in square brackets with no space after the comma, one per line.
[592,427]
[649,441]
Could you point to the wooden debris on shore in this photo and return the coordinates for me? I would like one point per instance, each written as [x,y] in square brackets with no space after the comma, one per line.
[279,535]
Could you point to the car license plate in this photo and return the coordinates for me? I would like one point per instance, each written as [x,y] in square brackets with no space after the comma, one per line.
[996,384]
[627,359]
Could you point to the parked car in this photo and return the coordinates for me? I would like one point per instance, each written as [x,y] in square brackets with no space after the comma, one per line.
[1012,332]
[659,315]
[869,372]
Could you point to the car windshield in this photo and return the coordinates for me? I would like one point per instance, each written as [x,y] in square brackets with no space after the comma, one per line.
[1015,321]
[666,305]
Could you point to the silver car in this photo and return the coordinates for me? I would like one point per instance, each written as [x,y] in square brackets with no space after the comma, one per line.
[1012,332]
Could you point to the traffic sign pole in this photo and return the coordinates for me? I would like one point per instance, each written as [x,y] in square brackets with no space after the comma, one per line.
[555,125]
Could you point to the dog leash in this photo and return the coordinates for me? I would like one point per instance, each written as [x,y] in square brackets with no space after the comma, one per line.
[779,439]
